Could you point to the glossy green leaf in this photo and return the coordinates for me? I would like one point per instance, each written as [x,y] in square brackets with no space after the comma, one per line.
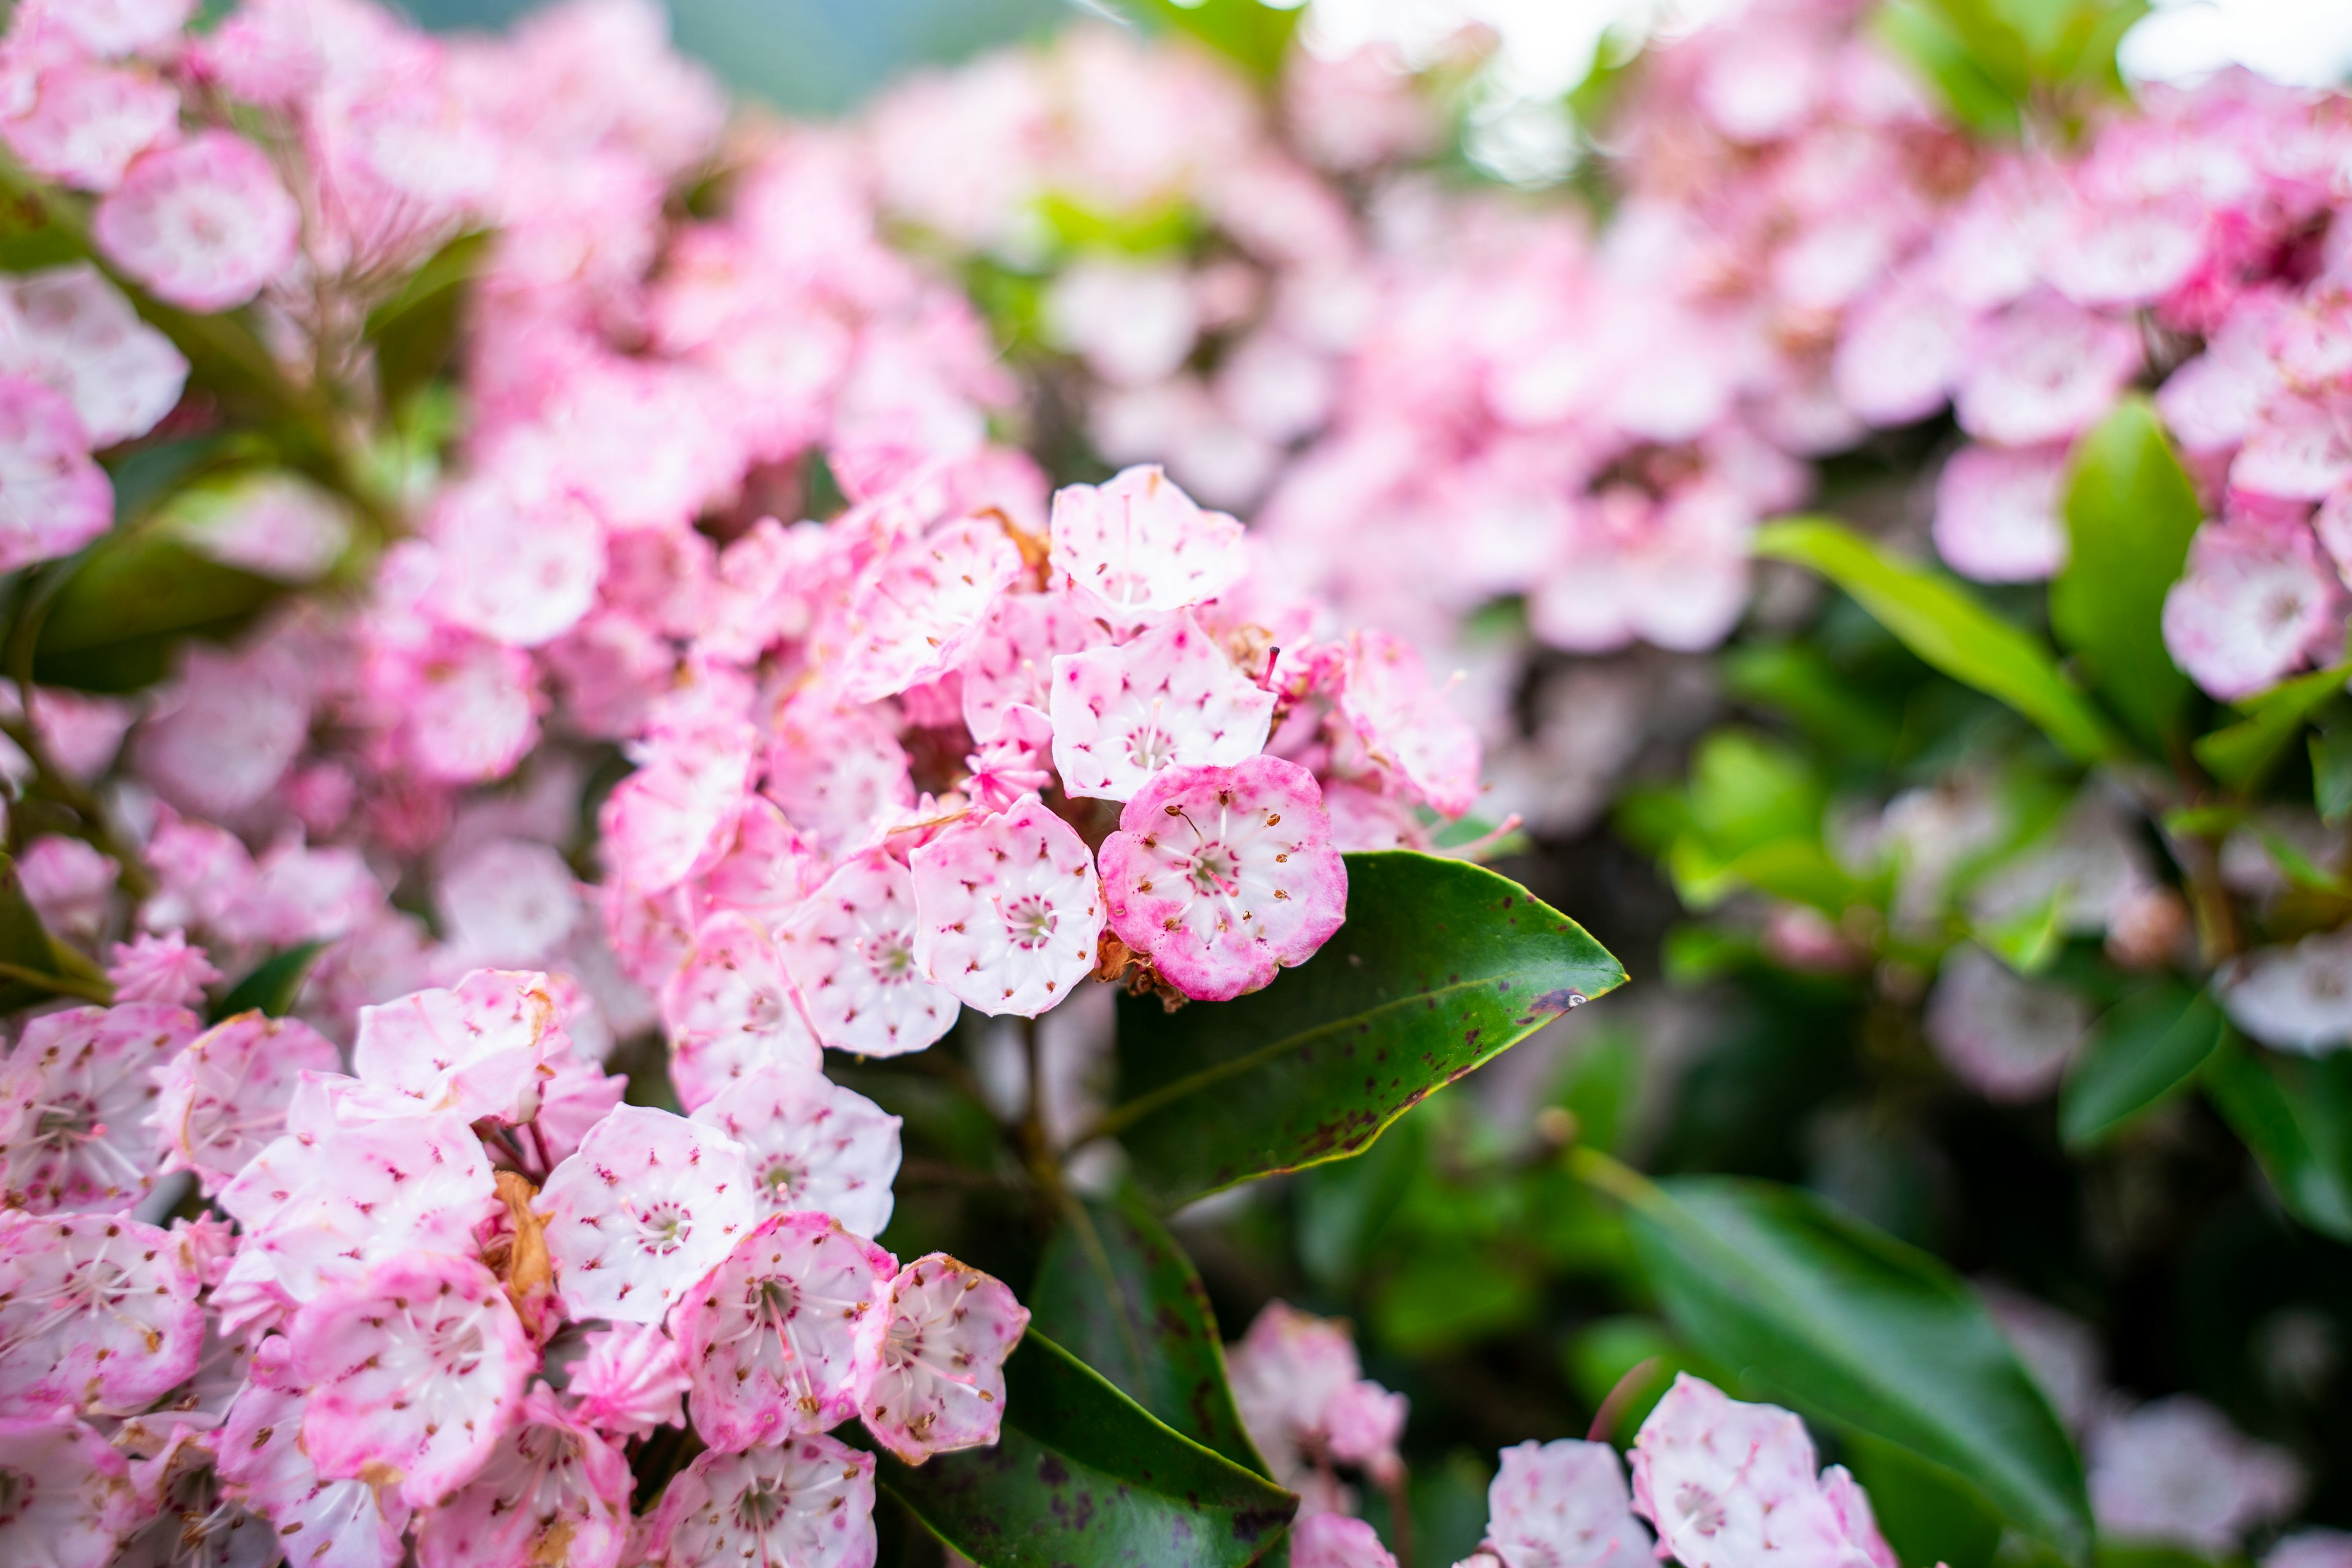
[1117,1291]
[1441,967]
[1976,90]
[2130,511]
[274,984]
[1946,625]
[1819,1312]
[2295,1115]
[2138,1056]
[2241,754]
[414,332]
[1084,1474]
[120,618]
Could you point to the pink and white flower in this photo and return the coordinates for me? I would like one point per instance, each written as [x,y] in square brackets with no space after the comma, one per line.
[97,1313]
[730,1009]
[813,1144]
[1008,909]
[807,1503]
[1168,698]
[76,1095]
[940,1386]
[204,224]
[1135,546]
[650,1203]
[850,949]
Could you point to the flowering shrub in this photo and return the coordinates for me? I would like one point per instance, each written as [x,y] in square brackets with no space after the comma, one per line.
[675,784]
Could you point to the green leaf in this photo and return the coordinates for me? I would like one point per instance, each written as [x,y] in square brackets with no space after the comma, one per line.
[1799,682]
[2331,768]
[1926,1514]
[1848,1326]
[2130,511]
[1946,625]
[2241,754]
[415,332]
[34,965]
[2029,940]
[1117,1291]
[1084,1474]
[2295,1115]
[1442,966]
[1976,95]
[274,984]
[2141,1052]
[120,618]
[1253,35]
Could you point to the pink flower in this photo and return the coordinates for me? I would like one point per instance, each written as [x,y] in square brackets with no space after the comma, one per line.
[784,1336]
[53,499]
[808,1502]
[1302,1396]
[477,1051]
[1170,698]
[665,822]
[507,902]
[1137,547]
[471,709]
[2176,1472]
[69,327]
[1011,661]
[1404,726]
[814,1146]
[2255,602]
[226,733]
[87,122]
[71,1499]
[1900,351]
[850,949]
[920,606]
[941,1383]
[1731,1484]
[1007,909]
[768,869]
[1563,1505]
[631,1381]
[204,224]
[730,1008]
[97,1312]
[1334,1541]
[2043,370]
[518,562]
[74,1098]
[266,1466]
[416,1371]
[1674,573]
[1224,876]
[650,1203]
[838,773]
[2298,448]
[2293,998]
[224,1097]
[323,1203]
[111,28]
[69,884]
[163,969]
[1997,512]
[552,1490]
[2005,1037]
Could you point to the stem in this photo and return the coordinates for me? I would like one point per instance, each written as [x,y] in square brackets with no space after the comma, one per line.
[96,990]
[1029,1136]
[1400,1517]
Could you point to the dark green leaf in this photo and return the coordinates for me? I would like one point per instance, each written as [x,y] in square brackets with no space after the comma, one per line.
[2296,1117]
[1946,625]
[1849,1326]
[1084,1474]
[2241,754]
[2129,511]
[416,330]
[1938,51]
[1117,1291]
[1926,1514]
[274,984]
[2331,766]
[118,621]
[1798,680]
[1441,967]
[2143,1051]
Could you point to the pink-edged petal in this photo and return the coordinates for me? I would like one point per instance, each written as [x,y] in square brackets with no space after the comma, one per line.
[66,1497]
[1008,909]
[224,1096]
[785,1335]
[813,1144]
[941,1384]
[96,1311]
[730,1008]
[808,1503]
[1012,662]
[1730,1485]
[631,1380]
[320,1522]
[76,1097]
[850,949]
[1168,697]
[1406,727]
[649,1205]
[1136,546]
[1564,1505]
[1224,876]
[920,605]
[476,1051]
[552,1491]
[414,1371]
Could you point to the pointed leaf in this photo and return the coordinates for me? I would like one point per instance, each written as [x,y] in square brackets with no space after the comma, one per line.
[1946,625]
[2296,1117]
[2130,511]
[2241,754]
[35,966]
[1849,1327]
[1084,1474]
[1441,967]
[274,984]
[2143,1051]
[2331,768]
[1116,1291]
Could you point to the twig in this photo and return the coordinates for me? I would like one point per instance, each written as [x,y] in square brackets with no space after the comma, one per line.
[96,991]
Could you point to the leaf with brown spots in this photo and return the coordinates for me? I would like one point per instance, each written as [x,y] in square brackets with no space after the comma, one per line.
[1442,966]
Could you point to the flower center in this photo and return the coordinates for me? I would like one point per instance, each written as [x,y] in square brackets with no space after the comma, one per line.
[892,959]
[776,1299]
[1701,1506]
[783,1179]
[456,1346]
[1216,869]
[759,1505]
[766,1011]
[17,1492]
[1031,922]
[67,1121]
[664,1227]
[1150,749]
